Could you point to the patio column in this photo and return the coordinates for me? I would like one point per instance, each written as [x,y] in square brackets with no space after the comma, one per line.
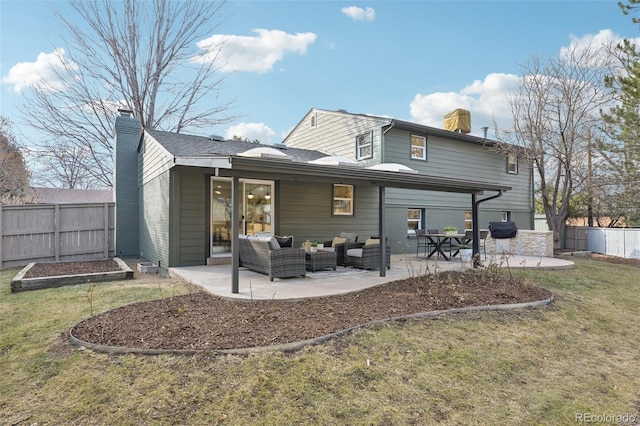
[383,242]
[235,230]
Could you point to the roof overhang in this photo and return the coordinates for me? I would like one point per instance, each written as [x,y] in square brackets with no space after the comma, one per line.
[278,169]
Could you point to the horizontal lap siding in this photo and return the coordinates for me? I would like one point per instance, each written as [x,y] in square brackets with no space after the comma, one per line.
[154,220]
[192,217]
[460,160]
[335,133]
[305,212]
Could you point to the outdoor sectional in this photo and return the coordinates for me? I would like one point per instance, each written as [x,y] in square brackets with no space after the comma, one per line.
[264,255]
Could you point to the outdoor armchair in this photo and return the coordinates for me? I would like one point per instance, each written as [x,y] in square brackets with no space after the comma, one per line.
[367,255]
[264,255]
[340,244]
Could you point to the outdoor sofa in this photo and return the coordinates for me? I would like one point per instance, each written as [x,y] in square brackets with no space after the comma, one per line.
[264,255]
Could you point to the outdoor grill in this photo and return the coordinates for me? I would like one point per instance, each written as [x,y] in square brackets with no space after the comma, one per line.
[501,230]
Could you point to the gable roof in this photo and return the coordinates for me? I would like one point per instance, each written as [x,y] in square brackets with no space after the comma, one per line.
[388,123]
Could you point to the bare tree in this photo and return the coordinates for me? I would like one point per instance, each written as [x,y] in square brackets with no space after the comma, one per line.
[136,55]
[14,176]
[554,113]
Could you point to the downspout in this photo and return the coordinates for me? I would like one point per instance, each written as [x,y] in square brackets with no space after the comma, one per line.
[384,132]
[475,225]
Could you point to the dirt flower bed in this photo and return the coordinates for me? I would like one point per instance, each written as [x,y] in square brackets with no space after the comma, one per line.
[56,269]
[206,322]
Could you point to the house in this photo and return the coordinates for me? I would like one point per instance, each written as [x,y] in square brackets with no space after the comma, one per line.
[372,141]
[181,199]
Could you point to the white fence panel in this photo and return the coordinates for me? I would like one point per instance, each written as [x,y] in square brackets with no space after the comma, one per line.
[621,242]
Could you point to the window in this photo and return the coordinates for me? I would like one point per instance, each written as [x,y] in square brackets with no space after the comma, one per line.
[415,220]
[342,200]
[418,147]
[364,146]
[468,219]
[505,216]
[512,163]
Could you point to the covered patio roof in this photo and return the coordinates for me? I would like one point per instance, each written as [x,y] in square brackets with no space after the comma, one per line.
[264,166]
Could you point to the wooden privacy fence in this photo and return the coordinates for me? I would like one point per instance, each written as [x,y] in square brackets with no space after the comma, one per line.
[621,242]
[56,232]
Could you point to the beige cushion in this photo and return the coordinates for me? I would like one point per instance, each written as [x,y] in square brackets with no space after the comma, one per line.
[273,242]
[338,240]
[371,241]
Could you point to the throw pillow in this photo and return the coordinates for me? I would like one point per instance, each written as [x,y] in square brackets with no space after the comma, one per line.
[285,241]
[273,243]
[351,236]
[338,240]
[371,241]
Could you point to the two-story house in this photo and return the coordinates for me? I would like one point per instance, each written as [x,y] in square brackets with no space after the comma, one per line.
[372,140]
[181,199]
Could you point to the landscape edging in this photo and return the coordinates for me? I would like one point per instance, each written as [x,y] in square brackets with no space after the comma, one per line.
[296,346]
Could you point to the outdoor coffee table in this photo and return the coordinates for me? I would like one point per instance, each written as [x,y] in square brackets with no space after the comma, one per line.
[320,260]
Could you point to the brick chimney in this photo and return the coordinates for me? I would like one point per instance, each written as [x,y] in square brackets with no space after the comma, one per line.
[127,137]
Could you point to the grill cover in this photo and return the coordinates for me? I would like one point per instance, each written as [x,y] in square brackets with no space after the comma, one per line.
[501,230]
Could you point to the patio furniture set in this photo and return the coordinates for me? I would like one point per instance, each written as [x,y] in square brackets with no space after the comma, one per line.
[277,258]
[446,245]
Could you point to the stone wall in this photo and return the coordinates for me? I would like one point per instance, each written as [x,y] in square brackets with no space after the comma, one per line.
[525,243]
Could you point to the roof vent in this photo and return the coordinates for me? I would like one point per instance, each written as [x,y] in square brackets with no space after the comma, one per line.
[264,152]
[217,138]
[280,146]
[458,120]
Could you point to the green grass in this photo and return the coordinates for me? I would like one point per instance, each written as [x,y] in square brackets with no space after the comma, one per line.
[538,366]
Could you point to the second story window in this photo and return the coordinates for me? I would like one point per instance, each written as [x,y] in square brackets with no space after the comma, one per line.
[512,163]
[364,146]
[418,147]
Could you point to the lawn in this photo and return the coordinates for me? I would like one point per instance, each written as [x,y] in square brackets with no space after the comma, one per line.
[577,357]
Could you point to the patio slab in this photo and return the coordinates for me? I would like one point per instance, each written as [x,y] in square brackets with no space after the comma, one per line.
[216,279]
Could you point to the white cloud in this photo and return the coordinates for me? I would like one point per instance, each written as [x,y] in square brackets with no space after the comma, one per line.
[360,14]
[251,131]
[254,54]
[485,100]
[40,73]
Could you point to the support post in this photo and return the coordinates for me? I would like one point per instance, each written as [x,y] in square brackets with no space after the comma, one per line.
[235,230]
[56,231]
[475,224]
[383,238]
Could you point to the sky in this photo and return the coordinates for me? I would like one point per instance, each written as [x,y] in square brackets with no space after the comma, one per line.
[410,60]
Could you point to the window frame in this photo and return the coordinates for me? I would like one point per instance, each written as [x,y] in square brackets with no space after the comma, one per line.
[369,135]
[334,212]
[512,166]
[424,147]
[468,219]
[420,221]
[505,216]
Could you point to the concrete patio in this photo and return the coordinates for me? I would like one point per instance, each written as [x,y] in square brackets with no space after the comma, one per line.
[255,286]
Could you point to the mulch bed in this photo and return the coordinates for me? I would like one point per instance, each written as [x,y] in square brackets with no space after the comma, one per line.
[201,321]
[56,269]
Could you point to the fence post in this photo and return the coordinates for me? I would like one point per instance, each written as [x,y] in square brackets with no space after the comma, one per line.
[105,217]
[56,231]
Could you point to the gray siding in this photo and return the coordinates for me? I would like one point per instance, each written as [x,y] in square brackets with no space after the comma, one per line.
[305,212]
[154,160]
[190,220]
[335,134]
[154,220]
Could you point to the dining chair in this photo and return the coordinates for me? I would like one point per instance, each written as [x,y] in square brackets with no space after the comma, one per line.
[422,242]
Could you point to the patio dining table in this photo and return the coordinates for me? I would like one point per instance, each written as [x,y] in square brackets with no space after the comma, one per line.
[438,241]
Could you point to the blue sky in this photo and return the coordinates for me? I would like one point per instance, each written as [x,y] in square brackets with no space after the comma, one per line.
[411,60]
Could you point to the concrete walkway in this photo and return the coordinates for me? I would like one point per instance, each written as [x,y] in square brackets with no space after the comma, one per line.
[255,286]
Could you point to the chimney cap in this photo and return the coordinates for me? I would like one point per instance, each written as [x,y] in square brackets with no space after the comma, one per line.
[125,112]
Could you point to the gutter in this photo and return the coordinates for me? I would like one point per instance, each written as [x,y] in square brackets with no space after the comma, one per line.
[476,225]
